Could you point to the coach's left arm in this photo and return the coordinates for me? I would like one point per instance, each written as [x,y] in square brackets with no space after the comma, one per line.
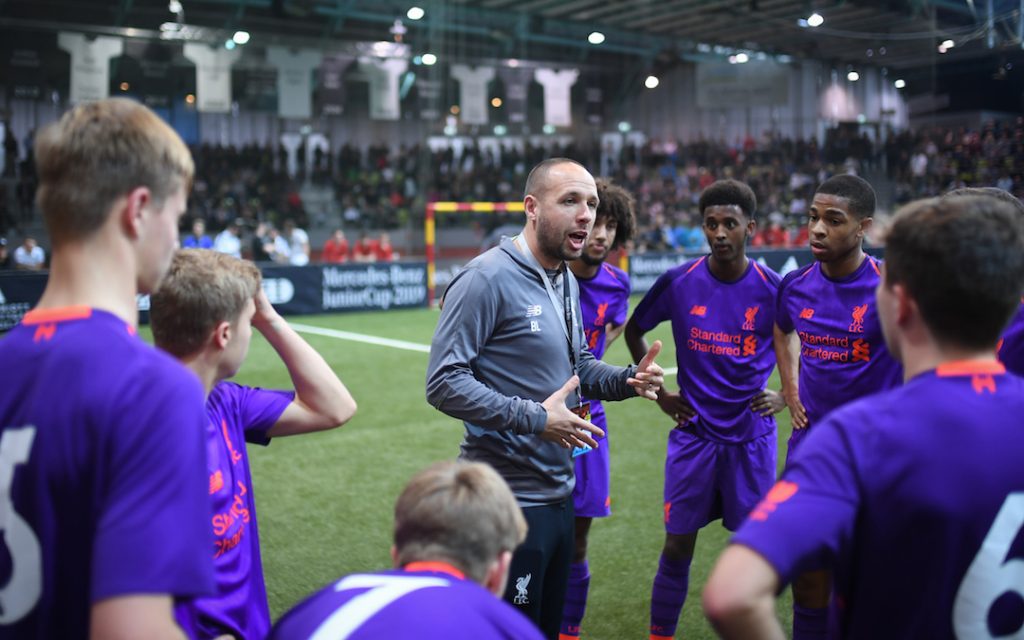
[321,400]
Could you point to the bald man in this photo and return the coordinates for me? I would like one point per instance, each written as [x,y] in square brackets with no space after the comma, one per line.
[509,359]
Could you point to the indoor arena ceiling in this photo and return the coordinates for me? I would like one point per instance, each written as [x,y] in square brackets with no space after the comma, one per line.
[654,34]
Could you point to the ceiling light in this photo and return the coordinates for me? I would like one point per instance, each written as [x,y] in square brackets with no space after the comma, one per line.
[415,13]
[651,82]
[853,76]
[741,58]
[429,59]
[595,37]
[815,20]
[900,83]
[240,37]
[948,44]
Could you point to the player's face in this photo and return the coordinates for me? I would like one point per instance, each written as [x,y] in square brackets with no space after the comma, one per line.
[600,240]
[159,239]
[833,232]
[564,213]
[727,228]
[241,336]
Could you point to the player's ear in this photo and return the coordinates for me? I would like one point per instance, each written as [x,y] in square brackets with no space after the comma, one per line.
[906,306]
[222,334]
[865,224]
[530,206]
[497,573]
[130,210]
[394,556]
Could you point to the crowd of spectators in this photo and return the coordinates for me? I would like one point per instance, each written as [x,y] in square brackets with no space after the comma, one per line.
[245,196]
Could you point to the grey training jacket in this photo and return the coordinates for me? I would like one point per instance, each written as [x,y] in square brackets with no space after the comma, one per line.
[499,351]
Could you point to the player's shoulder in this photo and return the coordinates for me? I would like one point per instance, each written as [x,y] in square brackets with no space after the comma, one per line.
[693,267]
[766,274]
[797,276]
[616,275]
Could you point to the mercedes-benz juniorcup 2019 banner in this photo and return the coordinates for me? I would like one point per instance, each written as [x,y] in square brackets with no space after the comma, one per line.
[292,290]
[334,288]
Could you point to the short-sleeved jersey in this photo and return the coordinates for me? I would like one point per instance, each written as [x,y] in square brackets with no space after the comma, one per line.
[1011,346]
[915,496]
[723,334]
[427,601]
[603,299]
[101,472]
[842,352]
[236,414]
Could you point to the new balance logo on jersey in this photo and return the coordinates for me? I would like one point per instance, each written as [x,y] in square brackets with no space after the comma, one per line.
[698,310]
[522,583]
[983,382]
[857,326]
[533,311]
[807,313]
[749,315]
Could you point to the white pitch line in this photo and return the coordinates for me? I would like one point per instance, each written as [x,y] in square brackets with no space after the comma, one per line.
[360,337]
[384,342]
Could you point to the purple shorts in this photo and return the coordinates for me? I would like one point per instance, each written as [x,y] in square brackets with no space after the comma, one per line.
[591,497]
[707,480]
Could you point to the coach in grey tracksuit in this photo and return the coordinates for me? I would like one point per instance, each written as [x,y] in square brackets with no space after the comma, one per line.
[500,361]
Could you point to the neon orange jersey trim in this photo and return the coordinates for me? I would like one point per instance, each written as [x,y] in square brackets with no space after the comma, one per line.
[970,368]
[439,567]
[43,316]
[757,268]
[874,265]
[696,264]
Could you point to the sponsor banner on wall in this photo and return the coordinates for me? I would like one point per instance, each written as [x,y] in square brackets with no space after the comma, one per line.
[292,290]
[721,85]
[383,286]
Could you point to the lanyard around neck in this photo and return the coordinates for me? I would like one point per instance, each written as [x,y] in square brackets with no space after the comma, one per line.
[567,305]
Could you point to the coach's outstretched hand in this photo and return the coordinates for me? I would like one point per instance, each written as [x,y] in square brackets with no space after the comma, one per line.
[649,375]
[564,427]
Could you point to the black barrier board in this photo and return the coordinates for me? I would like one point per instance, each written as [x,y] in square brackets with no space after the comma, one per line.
[292,290]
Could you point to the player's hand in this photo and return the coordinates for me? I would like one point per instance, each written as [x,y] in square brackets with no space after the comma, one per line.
[676,406]
[265,315]
[649,376]
[797,412]
[767,403]
[564,427]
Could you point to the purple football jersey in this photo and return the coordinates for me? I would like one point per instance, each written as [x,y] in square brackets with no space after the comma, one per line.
[1011,347]
[915,496]
[842,352]
[426,601]
[101,469]
[236,414]
[603,299]
[723,335]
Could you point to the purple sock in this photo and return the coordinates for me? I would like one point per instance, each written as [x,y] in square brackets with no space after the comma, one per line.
[575,598]
[668,595]
[809,624]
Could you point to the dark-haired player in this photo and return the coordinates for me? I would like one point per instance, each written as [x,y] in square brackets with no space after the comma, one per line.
[827,320]
[1011,345]
[914,495]
[604,301]
[722,452]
